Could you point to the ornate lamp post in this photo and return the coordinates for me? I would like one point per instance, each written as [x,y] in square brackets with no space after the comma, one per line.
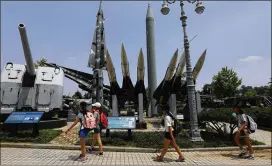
[194,131]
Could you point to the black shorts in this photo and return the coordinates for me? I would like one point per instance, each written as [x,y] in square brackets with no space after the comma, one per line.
[168,136]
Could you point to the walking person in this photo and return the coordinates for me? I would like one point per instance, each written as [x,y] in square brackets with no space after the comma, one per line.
[242,132]
[169,136]
[96,110]
[83,132]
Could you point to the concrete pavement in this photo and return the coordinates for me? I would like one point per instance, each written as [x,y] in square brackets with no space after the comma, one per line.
[13,156]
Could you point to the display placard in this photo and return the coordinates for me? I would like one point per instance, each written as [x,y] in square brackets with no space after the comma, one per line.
[127,122]
[24,117]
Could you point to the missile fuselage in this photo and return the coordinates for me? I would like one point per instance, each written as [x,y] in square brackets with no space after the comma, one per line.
[163,91]
[127,86]
[139,86]
[151,59]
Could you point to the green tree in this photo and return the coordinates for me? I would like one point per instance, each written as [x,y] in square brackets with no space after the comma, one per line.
[40,63]
[250,92]
[244,89]
[207,89]
[225,83]
[77,95]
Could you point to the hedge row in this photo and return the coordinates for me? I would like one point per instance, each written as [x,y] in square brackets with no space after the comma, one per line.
[45,136]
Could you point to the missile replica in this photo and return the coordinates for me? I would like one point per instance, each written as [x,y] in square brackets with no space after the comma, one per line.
[139,86]
[177,85]
[162,94]
[99,31]
[127,86]
[114,86]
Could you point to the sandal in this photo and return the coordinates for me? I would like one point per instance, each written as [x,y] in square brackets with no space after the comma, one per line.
[180,159]
[159,158]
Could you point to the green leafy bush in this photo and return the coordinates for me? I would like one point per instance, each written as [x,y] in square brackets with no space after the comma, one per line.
[155,140]
[45,136]
[216,120]
[219,117]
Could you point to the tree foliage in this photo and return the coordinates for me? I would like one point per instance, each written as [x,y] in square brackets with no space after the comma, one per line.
[207,89]
[253,91]
[225,83]
[40,63]
[77,95]
[250,92]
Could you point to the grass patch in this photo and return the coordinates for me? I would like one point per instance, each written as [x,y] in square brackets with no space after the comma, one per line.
[45,136]
[155,140]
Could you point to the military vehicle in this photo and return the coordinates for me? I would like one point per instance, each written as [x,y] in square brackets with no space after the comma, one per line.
[24,88]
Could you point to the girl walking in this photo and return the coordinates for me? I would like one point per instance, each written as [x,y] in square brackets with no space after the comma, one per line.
[169,137]
[83,132]
[242,132]
[96,110]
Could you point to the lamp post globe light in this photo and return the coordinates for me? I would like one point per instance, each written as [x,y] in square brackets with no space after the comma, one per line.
[194,130]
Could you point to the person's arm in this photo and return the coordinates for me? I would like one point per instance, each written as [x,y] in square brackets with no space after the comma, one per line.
[171,132]
[169,125]
[73,125]
[97,118]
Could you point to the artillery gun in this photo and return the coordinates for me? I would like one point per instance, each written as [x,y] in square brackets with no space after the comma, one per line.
[24,88]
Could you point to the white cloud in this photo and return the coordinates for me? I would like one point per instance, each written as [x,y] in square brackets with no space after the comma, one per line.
[251,59]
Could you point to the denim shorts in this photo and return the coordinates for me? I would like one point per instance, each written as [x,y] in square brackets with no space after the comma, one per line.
[83,133]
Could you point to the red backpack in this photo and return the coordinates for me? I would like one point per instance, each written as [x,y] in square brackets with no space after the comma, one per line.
[103,121]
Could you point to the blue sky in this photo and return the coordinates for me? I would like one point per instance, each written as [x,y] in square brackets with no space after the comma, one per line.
[236,34]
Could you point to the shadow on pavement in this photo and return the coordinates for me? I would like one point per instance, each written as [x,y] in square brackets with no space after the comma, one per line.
[165,160]
[232,156]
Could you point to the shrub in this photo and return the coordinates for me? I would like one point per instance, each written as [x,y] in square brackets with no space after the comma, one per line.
[45,136]
[216,119]
[219,117]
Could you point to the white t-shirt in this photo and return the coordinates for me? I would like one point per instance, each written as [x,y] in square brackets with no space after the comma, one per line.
[168,122]
[241,119]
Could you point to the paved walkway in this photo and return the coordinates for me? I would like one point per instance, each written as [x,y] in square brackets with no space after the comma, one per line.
[12,156]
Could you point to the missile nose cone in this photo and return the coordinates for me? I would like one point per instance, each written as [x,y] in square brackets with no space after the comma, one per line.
[140,66]
[181,65]
[149,12]
[124,62]
[171,66]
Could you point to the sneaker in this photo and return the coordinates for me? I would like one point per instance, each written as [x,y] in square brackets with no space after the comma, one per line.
[100,154]
[159,158]
[249,156]
[83,159]
[180,159]
[89,150]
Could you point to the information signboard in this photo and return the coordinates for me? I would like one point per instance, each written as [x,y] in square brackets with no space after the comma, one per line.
[127,122]
[24,117]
